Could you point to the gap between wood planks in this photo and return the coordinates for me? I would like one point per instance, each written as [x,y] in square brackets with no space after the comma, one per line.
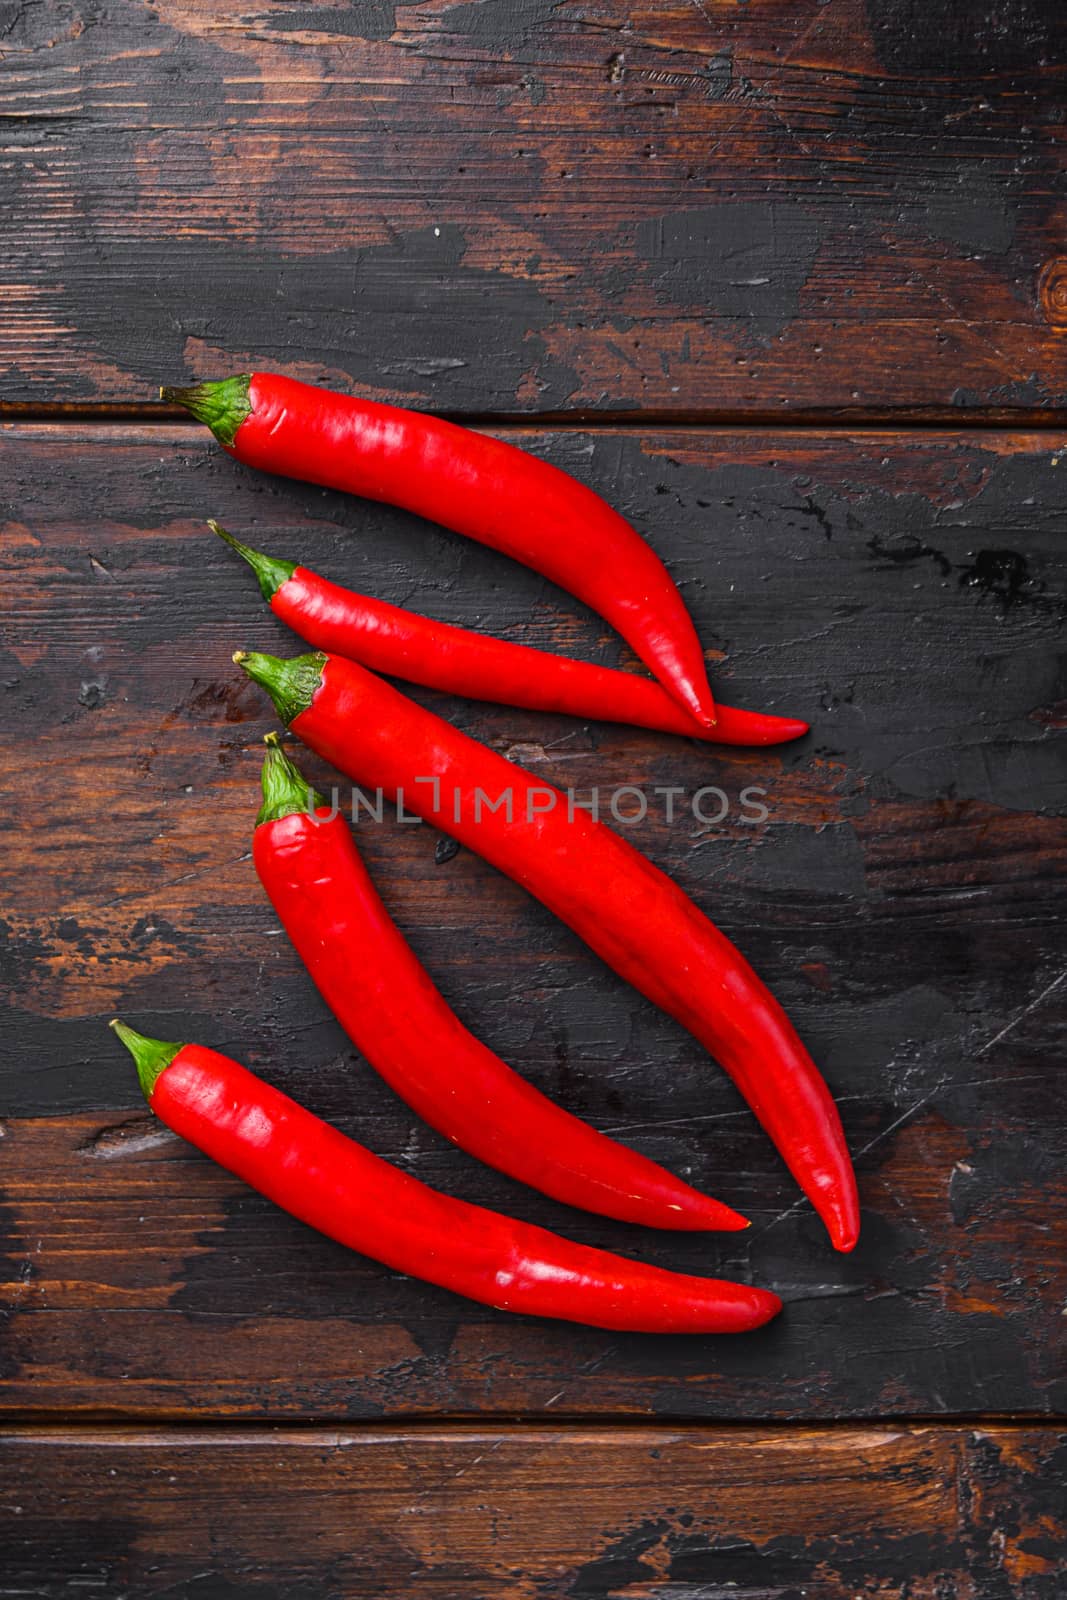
[858,419]
[158,1424]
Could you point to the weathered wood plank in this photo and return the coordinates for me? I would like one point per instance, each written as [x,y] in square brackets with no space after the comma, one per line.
[537,1514]
[490,206]
[141,1281]
[902,898]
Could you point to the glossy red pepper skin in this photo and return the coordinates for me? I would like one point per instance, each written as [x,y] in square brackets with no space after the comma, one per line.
[386,1002]
[388,639]
[335,1185]
[480,487]
[625,908]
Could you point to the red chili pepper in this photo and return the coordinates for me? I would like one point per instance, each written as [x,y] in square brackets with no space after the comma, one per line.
[628,911]
[388,639]
[475,485]
[340,1188]
[387,1004]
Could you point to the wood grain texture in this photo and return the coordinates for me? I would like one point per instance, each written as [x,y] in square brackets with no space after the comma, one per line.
[931,1514]
[539,204]
[902,898]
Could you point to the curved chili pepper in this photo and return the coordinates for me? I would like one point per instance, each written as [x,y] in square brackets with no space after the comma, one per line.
[388,639]
[387,1004]
[334,1184]
[475,485]
[628,911]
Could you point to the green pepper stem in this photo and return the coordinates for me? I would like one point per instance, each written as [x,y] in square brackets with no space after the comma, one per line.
[291,684]
[223,405]
[285,789]
[151,1057]
[270,572]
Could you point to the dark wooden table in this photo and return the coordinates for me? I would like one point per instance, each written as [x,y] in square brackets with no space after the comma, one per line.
[788,284]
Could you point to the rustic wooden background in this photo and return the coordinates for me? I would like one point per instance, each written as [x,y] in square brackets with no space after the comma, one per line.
[788,284]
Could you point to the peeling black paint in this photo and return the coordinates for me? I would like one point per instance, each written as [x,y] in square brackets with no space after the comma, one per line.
[619,1564]
[415,290]
[19,949]
[355,19]
[445,850]
[665,1558]
[481,20]
[911,36]
[1004,575]
[185,1582]
[907,547]
[741,259]
[88,1553]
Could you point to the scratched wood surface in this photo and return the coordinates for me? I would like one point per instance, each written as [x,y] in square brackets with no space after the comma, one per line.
[837,230]
[540,204]
[903,897]
[647,1514]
